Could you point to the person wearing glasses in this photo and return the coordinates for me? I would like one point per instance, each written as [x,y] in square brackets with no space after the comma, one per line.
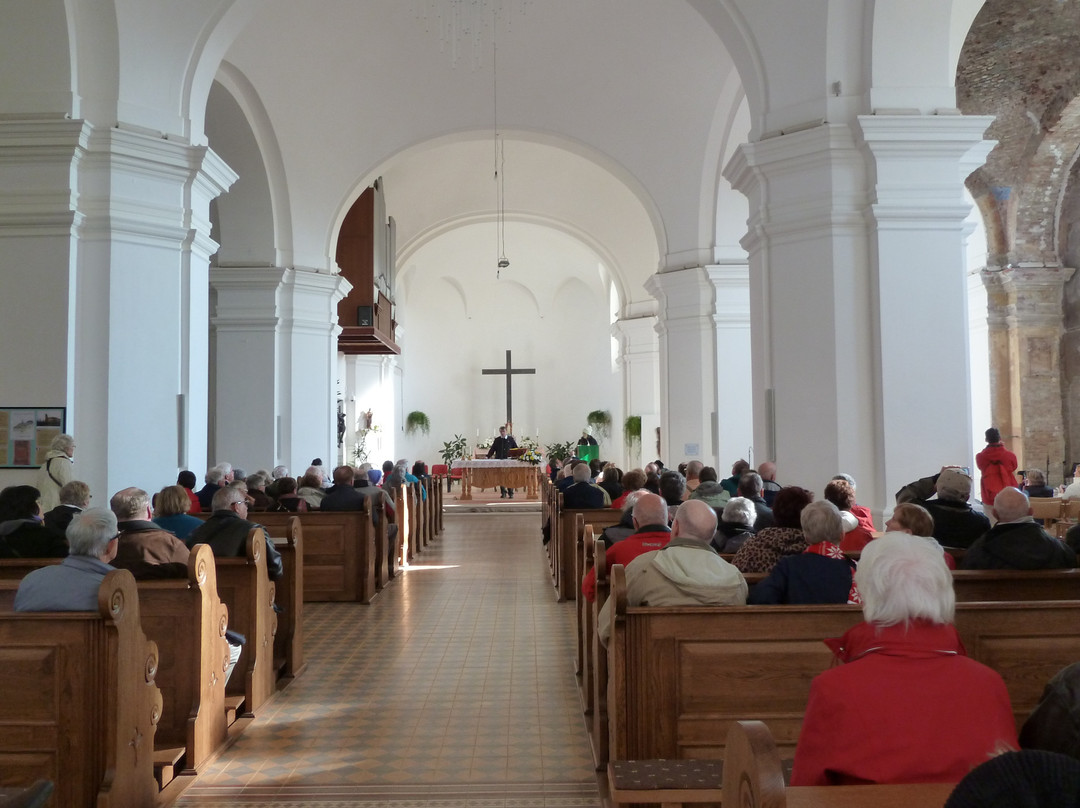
[72,585]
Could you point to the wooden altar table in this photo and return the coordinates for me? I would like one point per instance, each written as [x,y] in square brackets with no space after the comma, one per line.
[495,473]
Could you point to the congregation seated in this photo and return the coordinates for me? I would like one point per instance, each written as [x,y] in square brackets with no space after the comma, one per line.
[1020,778]
[651,532]
[22,534]
[186,480]
[1017,541]
[710,491]
[256,488]
[276,476]
[821,573]
[752,488]
[73,584]
[842,494]
[860,512]
[915,520]
[311,488]
[613,534]
[652,482]
[767,470]
[956,524]
[227,529]
[906,705]
[731,484]
[145,549]
[216,478]
[1054,724]
[735,526]
[1036,484]
[672,489]
[171,512]
[611,481]
[287,498]
[692,472]
[582,493]
[343,494]
[685,572]
[760,552]
[633,480]
[74,497]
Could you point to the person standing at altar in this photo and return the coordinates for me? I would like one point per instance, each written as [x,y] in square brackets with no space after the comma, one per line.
[500,450]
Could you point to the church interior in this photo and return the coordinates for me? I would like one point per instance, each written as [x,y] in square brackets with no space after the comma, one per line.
[833,234]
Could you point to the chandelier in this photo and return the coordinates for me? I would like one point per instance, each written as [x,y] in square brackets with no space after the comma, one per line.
[463,24]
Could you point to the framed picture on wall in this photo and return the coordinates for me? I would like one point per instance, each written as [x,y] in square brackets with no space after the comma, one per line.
[27,432]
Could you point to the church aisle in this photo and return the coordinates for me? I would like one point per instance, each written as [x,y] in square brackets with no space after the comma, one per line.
[454,687]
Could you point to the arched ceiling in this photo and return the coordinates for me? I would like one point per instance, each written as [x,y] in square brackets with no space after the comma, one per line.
[358,90]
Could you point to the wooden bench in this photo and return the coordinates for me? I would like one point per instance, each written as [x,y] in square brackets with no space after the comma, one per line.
[187,620]
[679,676]
[289,660]
[249,594]
[565,546]
[338,555]
[753,777]
[80,704]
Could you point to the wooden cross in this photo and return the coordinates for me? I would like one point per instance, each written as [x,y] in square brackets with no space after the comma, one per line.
[509,372]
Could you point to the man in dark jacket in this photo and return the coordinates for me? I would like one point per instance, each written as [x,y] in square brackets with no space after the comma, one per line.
[227,529]
[1017,541]
[500,450]
[752,488]
[956,524]
[342,495]
[145,548]
[583,493]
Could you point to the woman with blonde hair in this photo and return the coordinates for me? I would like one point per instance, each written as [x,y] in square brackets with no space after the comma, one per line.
[171,511]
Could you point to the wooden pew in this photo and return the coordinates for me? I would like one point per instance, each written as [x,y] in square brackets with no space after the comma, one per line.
[753,778]
[81,706]
[337,555]
[982,585]
[187,620]
[679,676]
[565,546]
[249,594]
[289,660]
[581,608]
[599,729]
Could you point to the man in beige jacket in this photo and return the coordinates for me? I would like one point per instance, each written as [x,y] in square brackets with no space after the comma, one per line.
[687,572]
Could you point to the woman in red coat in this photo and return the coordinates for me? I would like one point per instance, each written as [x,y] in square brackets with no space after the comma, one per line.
[998,467]
[907,705]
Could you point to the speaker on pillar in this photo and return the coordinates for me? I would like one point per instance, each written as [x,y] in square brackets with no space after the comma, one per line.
[365,316]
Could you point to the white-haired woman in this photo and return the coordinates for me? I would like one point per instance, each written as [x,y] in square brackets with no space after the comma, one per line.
[907,705]
[55,472]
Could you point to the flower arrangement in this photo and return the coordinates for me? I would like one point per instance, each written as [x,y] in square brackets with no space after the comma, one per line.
[531,456]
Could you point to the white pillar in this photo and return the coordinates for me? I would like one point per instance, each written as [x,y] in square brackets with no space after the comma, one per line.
[734,374]
[246,366]
[857,294]
[307,342]
[699,307]
[117,288]
[639,360]
[918,224]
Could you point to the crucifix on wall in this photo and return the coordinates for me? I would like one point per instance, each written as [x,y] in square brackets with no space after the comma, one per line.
[509,372]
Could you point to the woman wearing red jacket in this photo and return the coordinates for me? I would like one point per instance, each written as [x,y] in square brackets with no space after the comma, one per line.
[998,467]
[907,705]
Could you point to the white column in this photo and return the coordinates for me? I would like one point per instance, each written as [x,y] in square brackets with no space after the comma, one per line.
[699,307]
[307,345]
[734,374]
[246,366]
[113,226]
[639,359]
[920,295]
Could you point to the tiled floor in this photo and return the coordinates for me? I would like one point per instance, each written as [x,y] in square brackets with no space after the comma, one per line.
[454,687]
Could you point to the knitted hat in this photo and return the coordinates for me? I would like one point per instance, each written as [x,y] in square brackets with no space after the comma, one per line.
[1030,778]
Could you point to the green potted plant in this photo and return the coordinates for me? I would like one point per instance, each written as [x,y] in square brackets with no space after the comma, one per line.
[417,421]
[560,451]
[600,421]
[454,450]
[632,430]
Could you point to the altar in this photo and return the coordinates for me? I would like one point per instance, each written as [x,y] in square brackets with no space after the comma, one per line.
[495,473]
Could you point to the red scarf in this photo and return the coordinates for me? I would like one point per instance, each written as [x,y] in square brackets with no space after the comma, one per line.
[830,550]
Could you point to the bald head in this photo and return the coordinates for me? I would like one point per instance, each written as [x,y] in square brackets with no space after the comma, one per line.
[649,509]
[1011,504]
[693,469]
[767,470]
[694,520]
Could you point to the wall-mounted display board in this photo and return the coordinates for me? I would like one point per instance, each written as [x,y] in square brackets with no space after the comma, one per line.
[27,432]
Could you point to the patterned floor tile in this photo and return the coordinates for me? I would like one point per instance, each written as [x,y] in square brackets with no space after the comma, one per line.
[455,687]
